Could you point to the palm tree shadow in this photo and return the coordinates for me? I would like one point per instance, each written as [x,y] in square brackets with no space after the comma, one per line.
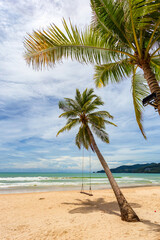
[88,206]
[153,226]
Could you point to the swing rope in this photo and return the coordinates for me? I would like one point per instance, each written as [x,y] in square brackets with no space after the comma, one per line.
[90,169]
[90,188]
[82,188]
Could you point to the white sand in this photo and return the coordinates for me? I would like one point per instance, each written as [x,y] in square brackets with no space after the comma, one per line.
[73,216]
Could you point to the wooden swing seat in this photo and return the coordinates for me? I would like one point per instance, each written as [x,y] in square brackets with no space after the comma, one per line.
[89,194]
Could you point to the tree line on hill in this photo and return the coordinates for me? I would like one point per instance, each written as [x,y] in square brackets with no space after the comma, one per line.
[136,168]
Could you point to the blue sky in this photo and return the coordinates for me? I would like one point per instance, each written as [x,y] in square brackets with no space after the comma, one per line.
[29,99]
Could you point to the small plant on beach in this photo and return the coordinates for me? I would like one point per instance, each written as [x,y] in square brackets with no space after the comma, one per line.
[81,111]
[124,36]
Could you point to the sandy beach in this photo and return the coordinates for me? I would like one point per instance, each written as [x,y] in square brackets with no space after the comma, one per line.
[70,215]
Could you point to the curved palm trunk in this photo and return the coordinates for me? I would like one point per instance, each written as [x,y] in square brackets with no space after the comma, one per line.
[152,82]
[127,213]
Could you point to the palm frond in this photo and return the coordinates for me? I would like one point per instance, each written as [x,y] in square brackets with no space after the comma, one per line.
[75,120]
[139,91]
[134,28]
[78,98]
[155,65]
[72,104]
[69,114]
[102,114]
[82,138]
[112,72]
[152,39]
[64,106]
[87,96]
[78,140]
[68,126]
[97,121]
[100,133]
[145,13]
[46,47]
[69,107]
[94,105]
[108,19]
[110,123]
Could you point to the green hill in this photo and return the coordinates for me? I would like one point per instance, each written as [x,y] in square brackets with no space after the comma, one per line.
[137,168]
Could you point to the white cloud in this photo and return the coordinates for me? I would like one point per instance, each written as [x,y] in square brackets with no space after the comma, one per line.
[28,99]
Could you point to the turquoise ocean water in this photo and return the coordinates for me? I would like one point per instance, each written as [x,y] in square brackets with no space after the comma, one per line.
[39,182]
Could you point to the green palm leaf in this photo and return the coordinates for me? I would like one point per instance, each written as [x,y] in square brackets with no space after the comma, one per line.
[102,114]
[139,91]
[108,19]
[100,133]
[82,138]
[155,65]
[46,47]
[69,125]
[112,72]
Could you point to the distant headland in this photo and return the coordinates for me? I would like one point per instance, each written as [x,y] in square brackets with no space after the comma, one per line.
[136,168]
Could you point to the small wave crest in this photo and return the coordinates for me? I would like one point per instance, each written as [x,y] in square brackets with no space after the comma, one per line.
[37,184]
[29,179]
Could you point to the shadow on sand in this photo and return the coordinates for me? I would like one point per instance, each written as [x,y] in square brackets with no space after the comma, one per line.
[88,206]
[153,226]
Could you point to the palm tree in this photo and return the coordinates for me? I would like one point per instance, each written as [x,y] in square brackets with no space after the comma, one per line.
[81,111]
[124,36]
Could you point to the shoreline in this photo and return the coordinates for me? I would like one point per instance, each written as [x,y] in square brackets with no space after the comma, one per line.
[69,215]
[65,189]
